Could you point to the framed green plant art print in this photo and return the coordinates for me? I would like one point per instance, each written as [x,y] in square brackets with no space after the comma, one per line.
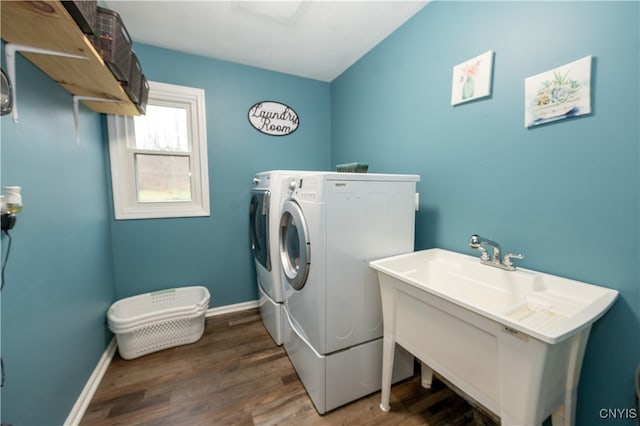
[557,94]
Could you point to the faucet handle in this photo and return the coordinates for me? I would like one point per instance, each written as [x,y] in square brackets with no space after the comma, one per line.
[506,261]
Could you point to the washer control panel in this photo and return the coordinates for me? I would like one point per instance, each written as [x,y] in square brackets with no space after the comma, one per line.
[306,187]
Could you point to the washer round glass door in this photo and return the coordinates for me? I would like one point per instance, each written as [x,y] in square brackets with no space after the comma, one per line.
[259,226]
[295,254]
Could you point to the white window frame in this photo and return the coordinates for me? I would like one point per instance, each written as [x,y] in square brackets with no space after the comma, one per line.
[122,157]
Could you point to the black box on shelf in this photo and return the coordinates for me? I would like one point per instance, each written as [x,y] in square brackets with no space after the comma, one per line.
[144,95]
[138,87]
[84,13]
[113,42]
[135,79]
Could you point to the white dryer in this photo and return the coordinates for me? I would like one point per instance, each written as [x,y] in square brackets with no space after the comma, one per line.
[269,191]
[331,226]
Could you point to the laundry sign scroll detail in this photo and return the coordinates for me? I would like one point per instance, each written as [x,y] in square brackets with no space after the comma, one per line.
[273,118]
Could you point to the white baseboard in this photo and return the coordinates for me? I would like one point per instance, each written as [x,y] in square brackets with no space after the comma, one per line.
[212,312]
[80,407]
[90,388]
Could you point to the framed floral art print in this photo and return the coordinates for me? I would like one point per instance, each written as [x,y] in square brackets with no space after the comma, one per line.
[472,79]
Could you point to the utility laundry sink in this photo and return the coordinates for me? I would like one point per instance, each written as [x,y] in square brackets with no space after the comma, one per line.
[511,340]
[544,306]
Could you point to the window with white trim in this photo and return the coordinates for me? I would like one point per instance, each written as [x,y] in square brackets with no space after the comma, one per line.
[159,160]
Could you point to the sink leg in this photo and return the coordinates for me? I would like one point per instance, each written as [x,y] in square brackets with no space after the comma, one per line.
[388,351]
[505,420]
[427,375]
[565,413]
[558,416]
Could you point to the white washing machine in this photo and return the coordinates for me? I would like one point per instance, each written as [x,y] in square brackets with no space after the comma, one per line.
[331,226]
[269,191]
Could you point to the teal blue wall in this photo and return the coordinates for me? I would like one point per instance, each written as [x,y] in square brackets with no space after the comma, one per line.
[70,260]
[59,277]
[565,194]
[214,251]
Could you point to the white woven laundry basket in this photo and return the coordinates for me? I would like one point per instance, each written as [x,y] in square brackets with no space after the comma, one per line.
[154,321]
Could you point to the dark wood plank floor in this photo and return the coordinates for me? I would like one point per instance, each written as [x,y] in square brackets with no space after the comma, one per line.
[236,375]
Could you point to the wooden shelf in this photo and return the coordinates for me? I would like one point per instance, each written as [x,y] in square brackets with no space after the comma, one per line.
[48,25]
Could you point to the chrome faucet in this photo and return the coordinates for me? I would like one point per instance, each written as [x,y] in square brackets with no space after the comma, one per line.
[476,242]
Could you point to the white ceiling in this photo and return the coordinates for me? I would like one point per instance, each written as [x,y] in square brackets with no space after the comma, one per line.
[317,39]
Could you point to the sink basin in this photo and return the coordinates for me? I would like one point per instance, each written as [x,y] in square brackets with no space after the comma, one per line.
[544,306]
[512,341]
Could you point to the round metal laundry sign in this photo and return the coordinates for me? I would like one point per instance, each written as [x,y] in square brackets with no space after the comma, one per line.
[273,118]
